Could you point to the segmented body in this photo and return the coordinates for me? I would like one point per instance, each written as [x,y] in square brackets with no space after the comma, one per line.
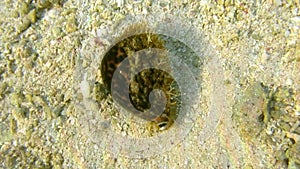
[140,87]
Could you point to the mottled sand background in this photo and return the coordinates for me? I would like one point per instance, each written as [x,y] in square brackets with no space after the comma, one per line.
[256,42]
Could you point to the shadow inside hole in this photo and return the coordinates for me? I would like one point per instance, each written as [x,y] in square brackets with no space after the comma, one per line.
[122,49]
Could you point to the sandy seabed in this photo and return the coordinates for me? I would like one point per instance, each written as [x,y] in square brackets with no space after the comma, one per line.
[256,99]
